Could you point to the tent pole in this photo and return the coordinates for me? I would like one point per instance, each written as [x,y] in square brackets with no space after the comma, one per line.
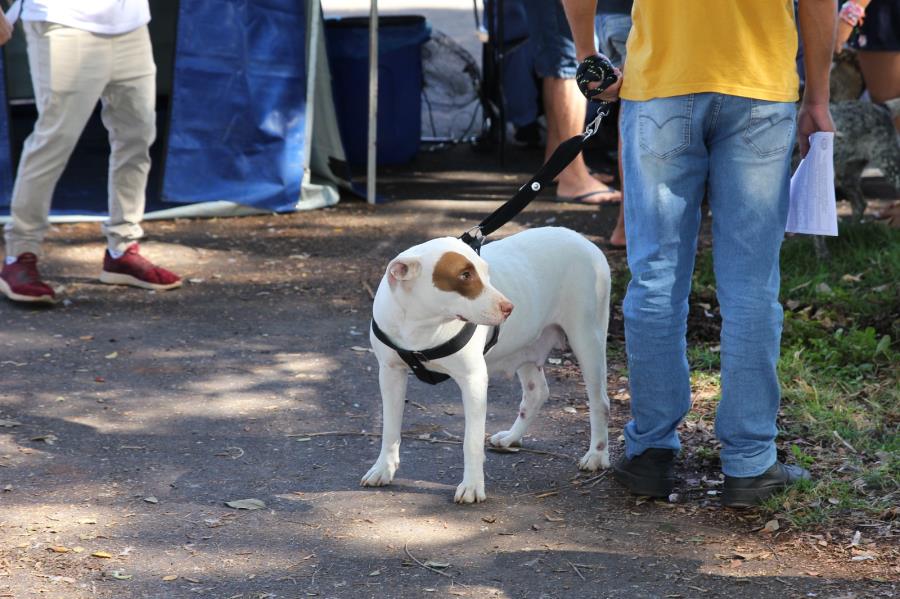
[312,51]
[373,101]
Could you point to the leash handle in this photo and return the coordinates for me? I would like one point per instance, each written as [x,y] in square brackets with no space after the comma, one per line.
[595,69]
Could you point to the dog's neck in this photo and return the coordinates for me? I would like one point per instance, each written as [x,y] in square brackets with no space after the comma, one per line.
[413,327]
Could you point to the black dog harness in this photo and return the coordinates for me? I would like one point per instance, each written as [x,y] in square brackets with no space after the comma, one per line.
[593,69]
[414,359]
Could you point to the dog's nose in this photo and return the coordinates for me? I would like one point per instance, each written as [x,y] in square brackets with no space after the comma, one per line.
[506,309]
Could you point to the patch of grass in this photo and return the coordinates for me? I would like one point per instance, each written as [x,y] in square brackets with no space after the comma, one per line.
[707,454]
[703,357]
[839,373]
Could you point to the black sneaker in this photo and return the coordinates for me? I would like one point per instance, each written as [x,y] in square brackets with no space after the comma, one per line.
[651,473]
[748,492]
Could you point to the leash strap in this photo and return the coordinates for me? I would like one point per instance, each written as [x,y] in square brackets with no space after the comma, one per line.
[558,161]
[414,359]
[593,69]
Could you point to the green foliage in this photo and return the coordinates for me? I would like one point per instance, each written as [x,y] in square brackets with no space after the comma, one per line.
[801,457]
[839,371]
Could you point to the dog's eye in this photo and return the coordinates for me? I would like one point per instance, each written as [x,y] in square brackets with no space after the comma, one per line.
[465,275]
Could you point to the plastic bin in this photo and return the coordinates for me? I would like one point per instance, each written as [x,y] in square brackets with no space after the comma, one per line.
[400,40]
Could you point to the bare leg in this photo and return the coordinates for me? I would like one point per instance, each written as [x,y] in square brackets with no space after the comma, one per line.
[617,237]
[881,71]
[565,108]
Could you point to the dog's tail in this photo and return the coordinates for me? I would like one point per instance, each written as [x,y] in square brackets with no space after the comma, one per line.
[603,290]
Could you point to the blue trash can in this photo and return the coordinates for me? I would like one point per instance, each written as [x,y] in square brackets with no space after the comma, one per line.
[400,40]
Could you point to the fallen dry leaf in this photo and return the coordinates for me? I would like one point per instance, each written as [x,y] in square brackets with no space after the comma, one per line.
[9,423]
[48,439]
[102,554]
[170,577]
[246,504]
[553,518]
[59,549]
[118,575]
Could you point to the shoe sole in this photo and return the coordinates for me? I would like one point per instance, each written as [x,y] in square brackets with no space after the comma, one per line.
[642,486]
[28,299]
[114,278]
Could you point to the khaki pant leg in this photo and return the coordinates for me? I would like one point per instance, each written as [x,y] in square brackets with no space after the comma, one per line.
[69,69]
[129,115]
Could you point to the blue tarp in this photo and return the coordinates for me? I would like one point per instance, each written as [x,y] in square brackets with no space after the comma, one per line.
[6,173]
[236,122]
[238,103]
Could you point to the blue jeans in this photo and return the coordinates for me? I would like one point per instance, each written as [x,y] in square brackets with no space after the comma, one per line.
[675,150]
[613,30]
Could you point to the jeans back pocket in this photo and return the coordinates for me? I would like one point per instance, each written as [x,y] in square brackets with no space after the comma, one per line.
[664,125]
[770,131]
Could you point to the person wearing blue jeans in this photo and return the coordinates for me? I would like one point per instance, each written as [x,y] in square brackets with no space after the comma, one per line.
[708,109]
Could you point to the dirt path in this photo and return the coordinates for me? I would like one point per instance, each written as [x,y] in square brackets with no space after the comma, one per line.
[129,419]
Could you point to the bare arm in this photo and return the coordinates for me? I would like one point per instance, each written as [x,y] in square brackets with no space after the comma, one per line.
[580,14]
[845,28]
[818,21]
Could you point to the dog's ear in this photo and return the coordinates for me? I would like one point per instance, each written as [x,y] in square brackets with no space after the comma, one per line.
[404,269]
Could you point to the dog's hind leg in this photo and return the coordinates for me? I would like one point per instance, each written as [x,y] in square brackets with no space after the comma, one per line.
[589,346]
[393,394]
[534,393]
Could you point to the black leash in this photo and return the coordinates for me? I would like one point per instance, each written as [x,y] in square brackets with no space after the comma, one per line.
[558,161]
[593,69]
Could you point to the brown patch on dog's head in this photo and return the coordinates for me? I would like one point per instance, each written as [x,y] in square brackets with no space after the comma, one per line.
[454,272]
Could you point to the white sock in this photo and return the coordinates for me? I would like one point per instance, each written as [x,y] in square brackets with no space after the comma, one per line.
[116,254]
[10,260]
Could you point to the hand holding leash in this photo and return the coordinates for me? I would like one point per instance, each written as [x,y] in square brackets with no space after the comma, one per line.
[598,79]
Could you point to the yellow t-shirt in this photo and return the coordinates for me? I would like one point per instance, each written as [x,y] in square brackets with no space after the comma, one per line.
[736,47]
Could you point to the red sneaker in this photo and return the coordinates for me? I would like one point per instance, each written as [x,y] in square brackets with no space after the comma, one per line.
[21,281]
[135,270]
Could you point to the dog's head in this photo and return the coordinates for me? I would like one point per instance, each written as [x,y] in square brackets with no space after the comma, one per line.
[445,277]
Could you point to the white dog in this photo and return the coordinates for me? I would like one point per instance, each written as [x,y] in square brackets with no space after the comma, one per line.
[559,284]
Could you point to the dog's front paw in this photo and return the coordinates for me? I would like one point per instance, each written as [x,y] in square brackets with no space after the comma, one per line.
[594,460]
[468,492]
[506,439]
[380,474]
